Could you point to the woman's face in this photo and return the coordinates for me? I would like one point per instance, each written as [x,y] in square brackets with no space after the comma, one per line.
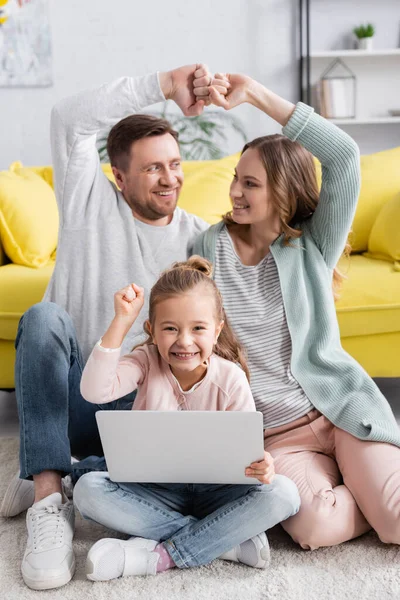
[250,192]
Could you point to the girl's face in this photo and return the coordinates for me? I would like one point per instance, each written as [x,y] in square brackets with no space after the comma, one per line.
[250,193]
[185,330]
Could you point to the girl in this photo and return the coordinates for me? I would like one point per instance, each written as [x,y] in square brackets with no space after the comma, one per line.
[188,362]
[327,425]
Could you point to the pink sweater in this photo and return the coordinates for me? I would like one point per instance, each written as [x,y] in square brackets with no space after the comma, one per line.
[106,377]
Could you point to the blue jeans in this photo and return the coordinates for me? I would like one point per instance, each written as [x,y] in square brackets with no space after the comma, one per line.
[55,421]
[197,523]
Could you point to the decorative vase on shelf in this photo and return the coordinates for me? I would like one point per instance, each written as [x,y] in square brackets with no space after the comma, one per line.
[365,43]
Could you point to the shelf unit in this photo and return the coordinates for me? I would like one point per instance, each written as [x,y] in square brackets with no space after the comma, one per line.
[306,56]
[356,53]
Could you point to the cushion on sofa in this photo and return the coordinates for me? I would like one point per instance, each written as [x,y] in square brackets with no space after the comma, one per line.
[45,172]
[380,181]
[384,240]
[28,217]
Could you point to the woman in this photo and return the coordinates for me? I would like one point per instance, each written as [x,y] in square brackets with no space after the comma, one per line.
[327,425]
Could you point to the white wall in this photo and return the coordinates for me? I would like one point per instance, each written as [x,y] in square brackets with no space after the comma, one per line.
[97,40]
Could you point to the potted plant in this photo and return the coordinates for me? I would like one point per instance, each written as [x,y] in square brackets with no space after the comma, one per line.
[364,34]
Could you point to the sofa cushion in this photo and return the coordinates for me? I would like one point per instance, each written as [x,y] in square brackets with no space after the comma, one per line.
[45,172]
[384,241]
[24,286]
[370,297]
[380,181]
[28,217]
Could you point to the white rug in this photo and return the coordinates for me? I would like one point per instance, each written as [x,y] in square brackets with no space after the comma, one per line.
[362,569]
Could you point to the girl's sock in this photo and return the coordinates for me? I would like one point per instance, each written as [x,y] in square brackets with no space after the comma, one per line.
[165,561]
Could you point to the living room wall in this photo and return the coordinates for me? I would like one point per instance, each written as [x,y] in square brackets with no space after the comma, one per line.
[97,40]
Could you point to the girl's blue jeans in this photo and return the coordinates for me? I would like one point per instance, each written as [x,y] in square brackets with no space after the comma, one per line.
[55,421]
[197,523]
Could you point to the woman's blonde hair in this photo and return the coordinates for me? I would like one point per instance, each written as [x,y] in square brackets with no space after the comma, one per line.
[292,179]
[183,277]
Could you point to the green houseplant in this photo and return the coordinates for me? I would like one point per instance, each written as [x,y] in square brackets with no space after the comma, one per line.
[200,138]
[364,35]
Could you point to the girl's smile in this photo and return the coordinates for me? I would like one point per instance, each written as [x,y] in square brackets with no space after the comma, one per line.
[184,356]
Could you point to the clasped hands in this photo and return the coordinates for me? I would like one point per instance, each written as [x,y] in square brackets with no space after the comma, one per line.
[193,87]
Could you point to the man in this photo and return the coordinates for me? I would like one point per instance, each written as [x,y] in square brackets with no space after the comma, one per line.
[108,238]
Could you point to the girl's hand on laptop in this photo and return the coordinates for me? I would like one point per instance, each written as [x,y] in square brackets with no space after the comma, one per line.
[128,303]
[263,470]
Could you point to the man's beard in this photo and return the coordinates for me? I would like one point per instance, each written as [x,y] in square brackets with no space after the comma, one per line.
[148,212]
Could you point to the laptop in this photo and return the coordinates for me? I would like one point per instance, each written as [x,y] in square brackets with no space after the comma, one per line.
[181,446]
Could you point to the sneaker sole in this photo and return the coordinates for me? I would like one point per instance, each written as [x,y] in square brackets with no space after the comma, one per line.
[49,584]
[93,557]
[9,498]
[263,551]
[265,555]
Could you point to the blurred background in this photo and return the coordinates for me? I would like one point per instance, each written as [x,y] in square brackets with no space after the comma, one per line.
[91,42]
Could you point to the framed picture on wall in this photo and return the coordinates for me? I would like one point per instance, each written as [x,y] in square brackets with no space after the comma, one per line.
[25,48]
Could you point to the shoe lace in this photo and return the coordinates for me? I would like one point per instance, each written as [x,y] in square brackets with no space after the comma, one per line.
[48,526]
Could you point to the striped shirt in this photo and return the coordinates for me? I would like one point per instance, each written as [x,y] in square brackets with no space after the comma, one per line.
[254,306]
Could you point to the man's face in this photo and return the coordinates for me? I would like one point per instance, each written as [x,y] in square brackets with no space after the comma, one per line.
[153,179]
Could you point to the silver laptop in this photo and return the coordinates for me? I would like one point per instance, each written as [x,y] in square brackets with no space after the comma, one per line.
[181,446]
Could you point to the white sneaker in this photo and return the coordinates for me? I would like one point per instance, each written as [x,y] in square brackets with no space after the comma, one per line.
[111,558]
[20,495]
[49,560]
[254,553]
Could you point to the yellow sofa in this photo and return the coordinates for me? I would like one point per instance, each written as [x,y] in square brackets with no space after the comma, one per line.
[369,307]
